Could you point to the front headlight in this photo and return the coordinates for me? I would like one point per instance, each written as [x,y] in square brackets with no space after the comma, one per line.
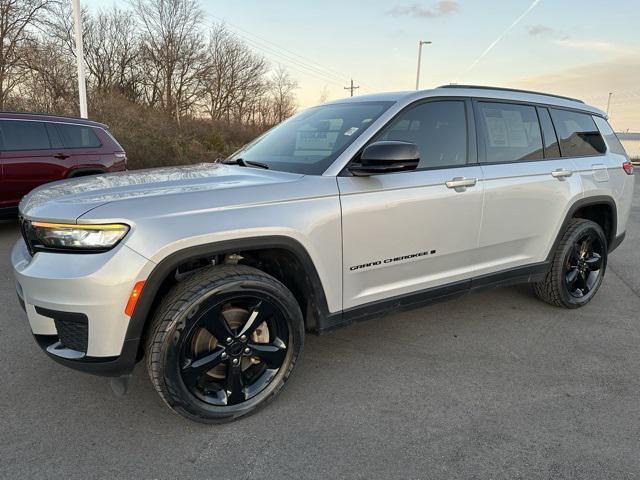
[63,237]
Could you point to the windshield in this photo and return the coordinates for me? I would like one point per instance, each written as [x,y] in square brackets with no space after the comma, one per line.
[311,140]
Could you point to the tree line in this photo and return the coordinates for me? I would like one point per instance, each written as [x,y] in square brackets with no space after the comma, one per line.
[172,88]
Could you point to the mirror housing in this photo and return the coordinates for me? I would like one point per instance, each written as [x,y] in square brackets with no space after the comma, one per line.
[388,156]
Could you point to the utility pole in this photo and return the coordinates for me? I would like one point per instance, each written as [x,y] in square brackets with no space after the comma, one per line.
[420,44]
[82,85]
[609,103]
[352,87]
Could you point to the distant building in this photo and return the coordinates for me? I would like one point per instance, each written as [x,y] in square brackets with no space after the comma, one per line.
[631,143]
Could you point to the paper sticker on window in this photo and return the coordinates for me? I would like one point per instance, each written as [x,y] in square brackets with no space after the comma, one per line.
[496,128]
[351,131]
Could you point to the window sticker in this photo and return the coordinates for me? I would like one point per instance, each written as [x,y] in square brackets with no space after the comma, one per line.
[351,131]
[496,128]
[506,128]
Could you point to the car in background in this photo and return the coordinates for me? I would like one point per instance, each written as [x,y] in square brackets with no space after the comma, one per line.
[36,149]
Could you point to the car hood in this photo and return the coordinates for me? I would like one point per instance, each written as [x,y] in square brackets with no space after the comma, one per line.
[68,200]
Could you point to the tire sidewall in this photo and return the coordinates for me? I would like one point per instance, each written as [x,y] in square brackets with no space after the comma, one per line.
[178,395]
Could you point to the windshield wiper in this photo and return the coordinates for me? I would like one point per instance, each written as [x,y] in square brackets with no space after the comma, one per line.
[246,163]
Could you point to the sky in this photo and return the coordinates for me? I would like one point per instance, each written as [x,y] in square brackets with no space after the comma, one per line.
[579,48]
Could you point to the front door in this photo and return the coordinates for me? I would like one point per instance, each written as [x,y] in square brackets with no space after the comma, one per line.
[412,231]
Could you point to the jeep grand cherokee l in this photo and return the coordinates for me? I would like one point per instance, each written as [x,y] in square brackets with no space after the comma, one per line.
[36,149]
[352,209]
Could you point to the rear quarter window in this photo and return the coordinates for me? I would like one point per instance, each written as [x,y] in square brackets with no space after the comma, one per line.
[23,135]
[609,135]
[78,136]
[578,134]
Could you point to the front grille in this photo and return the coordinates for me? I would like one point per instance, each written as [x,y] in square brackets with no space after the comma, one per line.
[72,328]
[72,334]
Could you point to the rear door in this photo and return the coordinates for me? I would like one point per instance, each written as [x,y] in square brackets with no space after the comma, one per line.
[82,146]
[528,186]
[28,159]
[412,231]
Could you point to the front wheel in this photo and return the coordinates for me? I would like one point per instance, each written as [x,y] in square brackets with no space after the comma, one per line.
[577,268]
[223,343]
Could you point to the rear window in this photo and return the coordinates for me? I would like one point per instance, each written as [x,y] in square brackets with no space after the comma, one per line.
[77,136]
[612,139]
[511,132]
[23,135]
[578,134]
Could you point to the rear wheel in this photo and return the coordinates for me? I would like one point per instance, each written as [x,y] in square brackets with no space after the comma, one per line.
[223,343]
[578,266]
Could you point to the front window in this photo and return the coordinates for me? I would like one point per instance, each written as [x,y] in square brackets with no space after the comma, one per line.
[309,142]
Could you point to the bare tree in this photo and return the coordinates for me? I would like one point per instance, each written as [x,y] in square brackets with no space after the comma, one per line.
[16,19]
[112,51]
[172,47]
[234,79]
[282,94]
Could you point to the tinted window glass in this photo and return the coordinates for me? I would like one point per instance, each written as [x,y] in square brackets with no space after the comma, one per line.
[612,139]
[23,135]
[579,136]
[77,136]
[551,147]
[511,132]
[310,141]
[54,137]
[439,129]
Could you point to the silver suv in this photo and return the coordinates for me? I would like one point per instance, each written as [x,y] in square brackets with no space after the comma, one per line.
[348,210]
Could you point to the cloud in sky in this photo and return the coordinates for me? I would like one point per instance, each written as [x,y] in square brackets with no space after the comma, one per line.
[599,46]
[439,9]
[539,30]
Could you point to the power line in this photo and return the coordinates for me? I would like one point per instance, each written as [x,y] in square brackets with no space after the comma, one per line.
[289,56]
[352,87]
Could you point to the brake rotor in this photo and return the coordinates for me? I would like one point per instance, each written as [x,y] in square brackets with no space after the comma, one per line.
[203,342]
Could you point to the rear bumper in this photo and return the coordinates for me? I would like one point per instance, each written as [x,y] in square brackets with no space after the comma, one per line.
[75,305]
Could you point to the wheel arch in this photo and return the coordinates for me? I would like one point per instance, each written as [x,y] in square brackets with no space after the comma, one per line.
[85,171]
[600,209]
[271,249]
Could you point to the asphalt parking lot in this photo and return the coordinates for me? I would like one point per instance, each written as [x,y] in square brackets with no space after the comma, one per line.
[494,385]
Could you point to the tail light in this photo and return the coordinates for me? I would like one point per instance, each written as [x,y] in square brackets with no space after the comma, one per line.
[628,168]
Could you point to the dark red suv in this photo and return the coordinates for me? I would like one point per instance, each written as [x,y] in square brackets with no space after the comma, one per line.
[36,149]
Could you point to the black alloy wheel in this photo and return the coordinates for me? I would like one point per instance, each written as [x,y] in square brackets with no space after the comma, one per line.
[577,267]
[583,265]
[235,347]
[223,343]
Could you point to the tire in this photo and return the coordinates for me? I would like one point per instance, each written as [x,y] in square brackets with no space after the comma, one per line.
[577,269]
[227,300]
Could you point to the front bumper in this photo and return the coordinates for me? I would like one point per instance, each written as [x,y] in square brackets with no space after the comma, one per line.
[75,305]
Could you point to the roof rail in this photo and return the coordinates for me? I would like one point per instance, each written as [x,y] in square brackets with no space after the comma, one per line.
[502,89]
[54,115]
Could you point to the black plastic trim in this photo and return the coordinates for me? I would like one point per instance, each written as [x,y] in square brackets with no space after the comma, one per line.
[170,263]
[586,202]
[102,366]
[513,276]
[8,213]
[617,241]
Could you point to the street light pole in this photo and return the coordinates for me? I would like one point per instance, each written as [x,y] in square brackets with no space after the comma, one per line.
[609,103]
[82,86]
[420,44]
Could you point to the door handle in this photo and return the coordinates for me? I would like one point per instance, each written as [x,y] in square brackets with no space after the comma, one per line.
[561,173]
[461,183]
[60,156]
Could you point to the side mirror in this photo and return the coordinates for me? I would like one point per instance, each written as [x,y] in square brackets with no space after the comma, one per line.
[386,157]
